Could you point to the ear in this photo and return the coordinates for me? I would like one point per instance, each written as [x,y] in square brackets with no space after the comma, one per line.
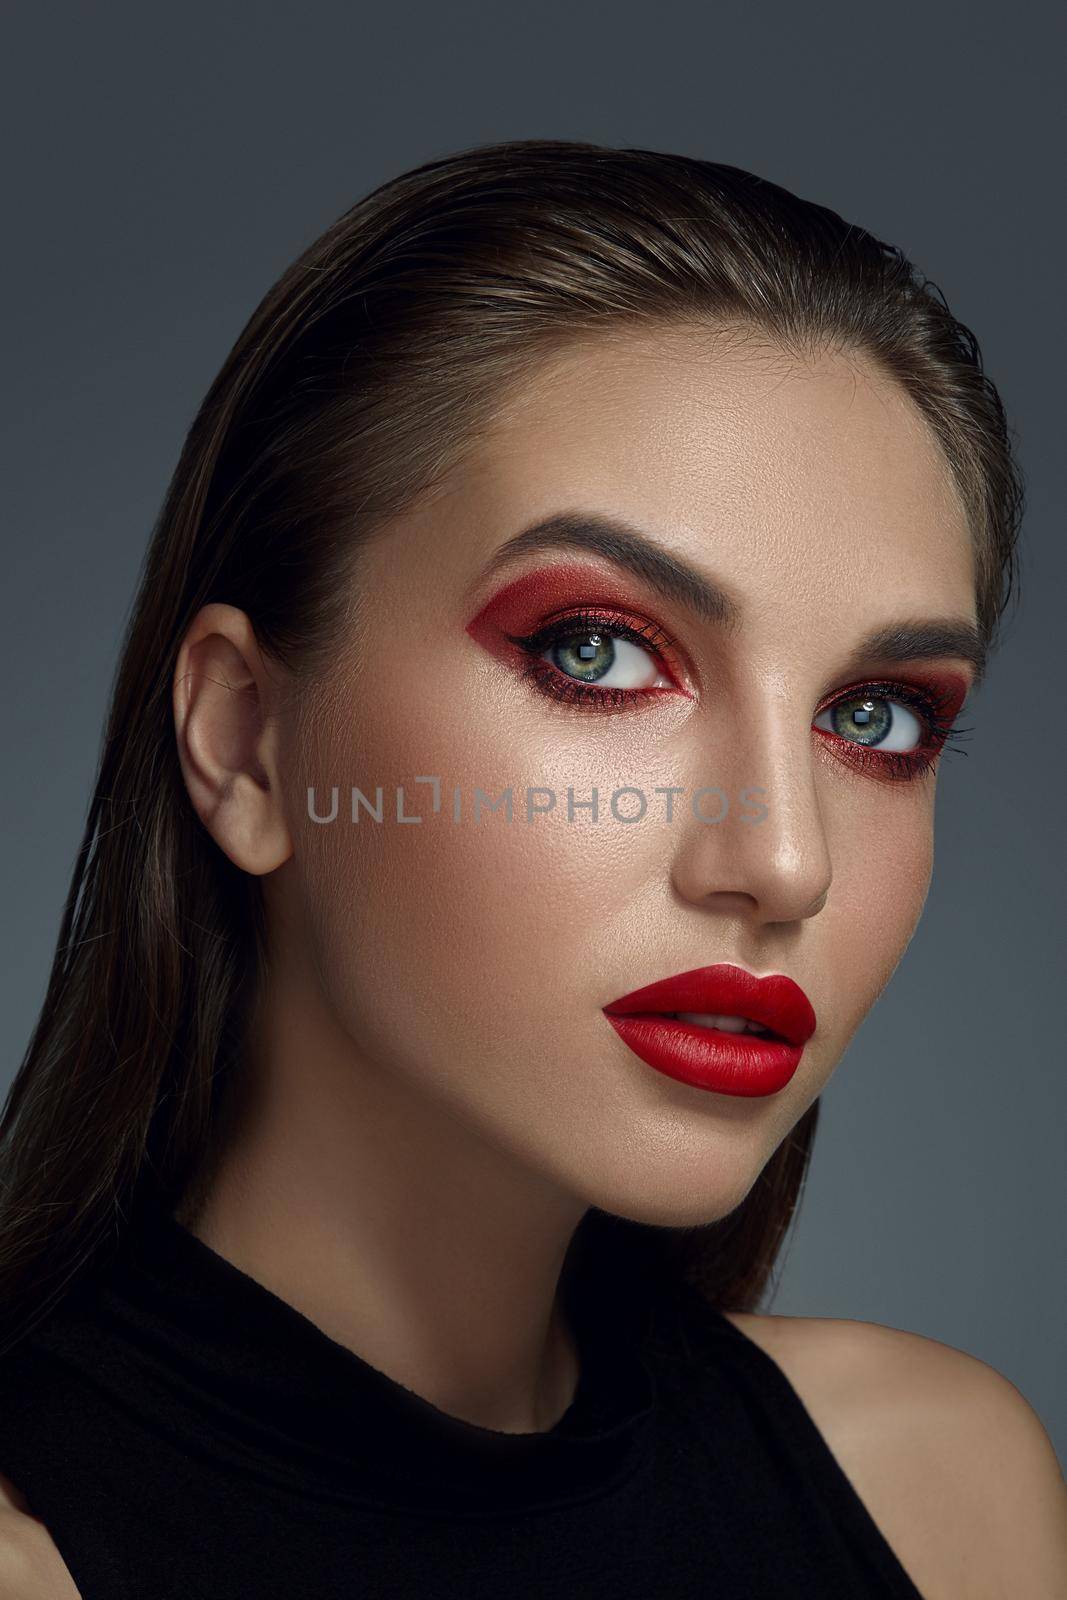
[228,740]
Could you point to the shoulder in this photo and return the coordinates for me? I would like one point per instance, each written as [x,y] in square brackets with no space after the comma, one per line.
[951,1461]
[31,1567]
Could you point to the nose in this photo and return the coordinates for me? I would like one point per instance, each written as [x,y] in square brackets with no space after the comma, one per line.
[771,868]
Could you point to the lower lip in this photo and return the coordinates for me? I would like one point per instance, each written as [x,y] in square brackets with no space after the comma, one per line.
[707,1058]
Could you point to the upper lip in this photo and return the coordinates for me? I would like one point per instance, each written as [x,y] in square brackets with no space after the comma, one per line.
[723,990]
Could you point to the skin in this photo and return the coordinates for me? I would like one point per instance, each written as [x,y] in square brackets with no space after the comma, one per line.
[437,1095]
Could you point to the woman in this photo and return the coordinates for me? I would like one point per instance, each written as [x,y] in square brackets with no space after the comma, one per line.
[518,787]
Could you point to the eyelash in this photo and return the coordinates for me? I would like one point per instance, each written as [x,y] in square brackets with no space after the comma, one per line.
[936,707]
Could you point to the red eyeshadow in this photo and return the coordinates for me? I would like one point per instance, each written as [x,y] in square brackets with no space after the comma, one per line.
[526,602]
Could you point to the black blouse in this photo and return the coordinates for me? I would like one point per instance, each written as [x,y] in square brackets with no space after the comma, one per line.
[185,1434]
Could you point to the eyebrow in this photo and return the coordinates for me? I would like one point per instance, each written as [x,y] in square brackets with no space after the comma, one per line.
[625,547]
[675,579]
[923,641]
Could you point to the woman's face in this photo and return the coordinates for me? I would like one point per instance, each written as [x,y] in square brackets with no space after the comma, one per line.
[472,958]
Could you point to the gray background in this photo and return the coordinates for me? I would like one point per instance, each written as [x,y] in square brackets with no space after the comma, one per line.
[163,165]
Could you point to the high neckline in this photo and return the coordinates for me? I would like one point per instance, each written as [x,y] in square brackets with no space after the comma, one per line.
[266,1385]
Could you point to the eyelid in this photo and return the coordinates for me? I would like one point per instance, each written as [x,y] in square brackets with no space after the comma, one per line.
[940,689]
[609,618]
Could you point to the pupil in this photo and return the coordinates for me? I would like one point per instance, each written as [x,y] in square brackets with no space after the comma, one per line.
[587,656]
[863,720]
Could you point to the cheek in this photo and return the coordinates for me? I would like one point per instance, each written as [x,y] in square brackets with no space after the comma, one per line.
[483,920]
[472,923]
[883,856]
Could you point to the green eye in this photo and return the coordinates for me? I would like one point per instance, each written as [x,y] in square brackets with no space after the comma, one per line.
[872,720]
[600,657]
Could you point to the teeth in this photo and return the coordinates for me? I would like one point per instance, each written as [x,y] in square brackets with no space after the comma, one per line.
[709,1019]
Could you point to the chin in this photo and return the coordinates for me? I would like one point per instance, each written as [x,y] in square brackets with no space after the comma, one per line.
[683,1185]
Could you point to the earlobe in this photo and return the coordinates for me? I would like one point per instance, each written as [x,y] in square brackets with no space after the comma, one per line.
[227,739]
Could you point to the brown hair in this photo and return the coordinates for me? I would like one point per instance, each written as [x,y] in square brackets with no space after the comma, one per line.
[366,374]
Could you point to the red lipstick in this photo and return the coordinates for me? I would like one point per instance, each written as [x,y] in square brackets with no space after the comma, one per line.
[711,1057]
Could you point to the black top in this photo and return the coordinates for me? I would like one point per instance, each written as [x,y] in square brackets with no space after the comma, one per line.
[185,1434]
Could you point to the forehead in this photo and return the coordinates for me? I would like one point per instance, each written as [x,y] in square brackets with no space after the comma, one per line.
[741,454]
[814,489]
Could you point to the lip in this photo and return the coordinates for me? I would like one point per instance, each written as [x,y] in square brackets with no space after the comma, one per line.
[727,1063]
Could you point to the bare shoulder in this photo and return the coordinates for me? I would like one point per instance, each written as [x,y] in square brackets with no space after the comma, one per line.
[31,1567]
[950,1459]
